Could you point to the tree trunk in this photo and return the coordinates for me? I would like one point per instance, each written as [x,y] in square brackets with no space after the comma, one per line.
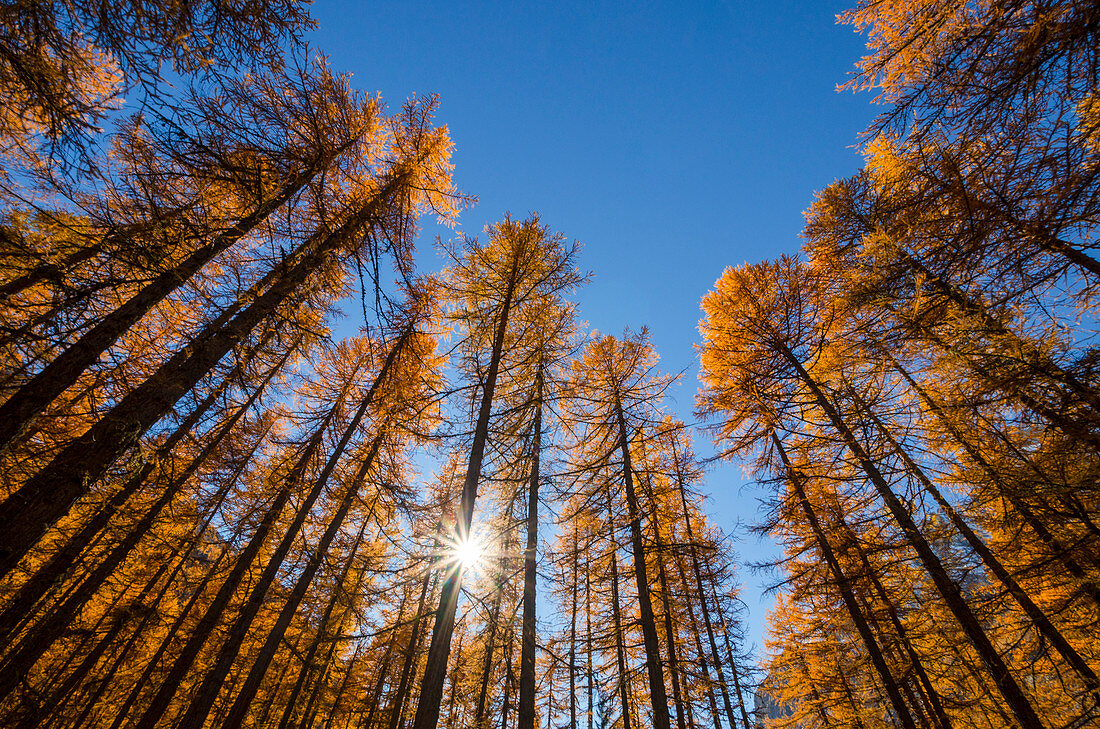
[842,583]
[431,687]
[573,647]
[693,624]
[1014,696]
[1036,525]
[45,577]
[928,691]
[65,689]
[527,651]
[344,686]
[46,497]
[657,696]
[35,644]
[397,711]
[33,397]
[666,602]
[487,664]
[185,658]
[734,673]
[617,622]
[251,684]
[1034,613]
[591,674]
[387,657]
[322,627]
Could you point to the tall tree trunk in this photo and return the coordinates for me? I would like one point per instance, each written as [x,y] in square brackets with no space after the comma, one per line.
[666,603]
[934,702]
[223,491]
[251,684]
[1014,696]
[734,672]
[843,585]
[658,698]
[1053,543]
[47,496]
[507,682]
[453,703]
[681,487]
[494,622]
[186,656]
[64,689]
[527,651]
[431,687]
[1034,612]
[38,585]
[322,626]
[693,624]
[33,397]
[400,699]
[590,679]
[35,644]
[387,657]
[616,619]
[573,646]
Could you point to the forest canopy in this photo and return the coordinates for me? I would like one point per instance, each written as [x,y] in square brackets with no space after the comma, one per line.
[224,506]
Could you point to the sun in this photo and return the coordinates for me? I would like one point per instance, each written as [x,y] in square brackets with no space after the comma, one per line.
[468,552]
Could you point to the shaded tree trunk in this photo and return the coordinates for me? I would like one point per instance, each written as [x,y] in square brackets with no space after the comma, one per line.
[657,695]
[47,496]
[527,652]
[65,369]
[948,590]
[842,583]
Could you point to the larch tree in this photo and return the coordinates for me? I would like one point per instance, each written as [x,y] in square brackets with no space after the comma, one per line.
[497,289]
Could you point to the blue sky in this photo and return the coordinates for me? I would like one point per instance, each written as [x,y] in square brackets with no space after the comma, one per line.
[671,139]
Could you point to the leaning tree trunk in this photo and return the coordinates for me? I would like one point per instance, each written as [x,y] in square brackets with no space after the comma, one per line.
[203,699]
[32,398]
[122,711]
[693,625]
[46,497]
[45,577]
[322,627]
[201,633]
[1052,542]
[915,662]
[1038,618]
[247,692]
[35,644]
[1013,694]
[842,583]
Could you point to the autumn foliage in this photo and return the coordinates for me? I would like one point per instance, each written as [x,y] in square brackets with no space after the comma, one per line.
[222,506]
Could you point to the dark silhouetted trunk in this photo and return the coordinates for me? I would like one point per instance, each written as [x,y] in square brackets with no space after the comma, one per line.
[948,590]
[47,496]
[431,687]
[842,583]
[32,398]
[527,644]
[657,696]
